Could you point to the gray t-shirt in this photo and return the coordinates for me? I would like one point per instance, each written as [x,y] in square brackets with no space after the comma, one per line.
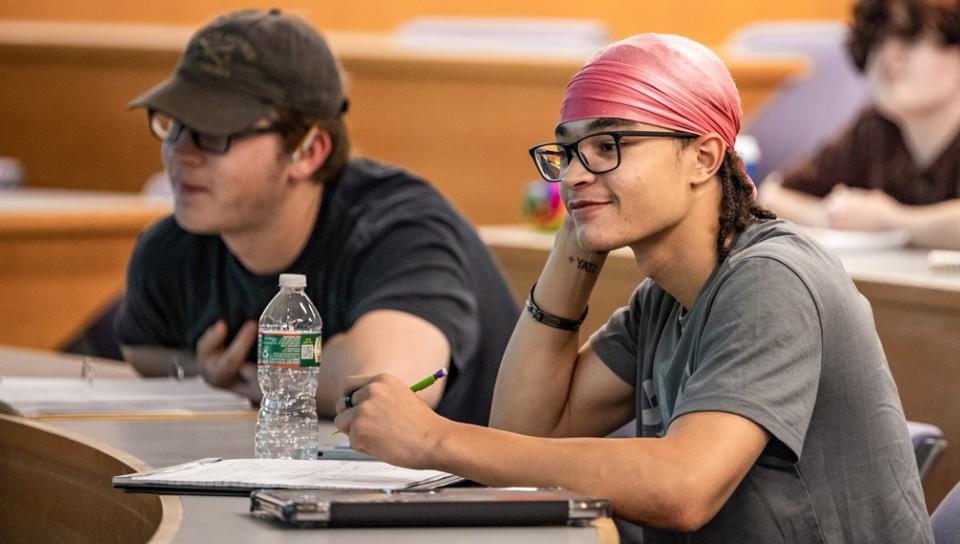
[779,335]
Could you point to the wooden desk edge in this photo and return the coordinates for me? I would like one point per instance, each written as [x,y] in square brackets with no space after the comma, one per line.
[365,51]
[171,507]
[79,223]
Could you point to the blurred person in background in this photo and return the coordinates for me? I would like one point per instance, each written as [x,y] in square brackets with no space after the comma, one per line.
[897,167]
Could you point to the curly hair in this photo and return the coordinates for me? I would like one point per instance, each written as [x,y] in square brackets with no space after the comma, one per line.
[738,208]
[876,20]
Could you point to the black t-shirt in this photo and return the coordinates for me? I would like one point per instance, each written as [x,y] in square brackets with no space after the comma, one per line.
[383,240]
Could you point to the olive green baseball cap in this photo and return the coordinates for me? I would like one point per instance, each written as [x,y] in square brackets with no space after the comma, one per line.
[241,66]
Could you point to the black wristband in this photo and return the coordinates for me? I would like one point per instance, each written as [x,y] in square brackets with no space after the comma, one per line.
[551,320]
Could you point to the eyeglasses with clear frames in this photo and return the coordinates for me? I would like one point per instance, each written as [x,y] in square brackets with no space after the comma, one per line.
[598,152]
[168,129]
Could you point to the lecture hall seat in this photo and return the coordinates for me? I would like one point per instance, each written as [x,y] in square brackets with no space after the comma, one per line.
[928,445]
[946,518]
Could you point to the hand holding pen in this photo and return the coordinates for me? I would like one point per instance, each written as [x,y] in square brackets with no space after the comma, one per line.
[384,419]
[419,386]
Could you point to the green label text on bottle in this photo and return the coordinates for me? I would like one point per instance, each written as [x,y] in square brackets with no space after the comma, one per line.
[288,350]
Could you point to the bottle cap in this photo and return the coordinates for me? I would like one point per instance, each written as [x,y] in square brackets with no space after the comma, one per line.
[293,280]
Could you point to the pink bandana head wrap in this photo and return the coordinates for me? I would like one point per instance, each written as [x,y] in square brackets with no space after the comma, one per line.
[658,79]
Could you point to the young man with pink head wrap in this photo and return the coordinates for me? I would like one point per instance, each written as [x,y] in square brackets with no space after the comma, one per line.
[765,409]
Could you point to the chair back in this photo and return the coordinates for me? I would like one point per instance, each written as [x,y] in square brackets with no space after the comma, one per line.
[928,445]
[946,518]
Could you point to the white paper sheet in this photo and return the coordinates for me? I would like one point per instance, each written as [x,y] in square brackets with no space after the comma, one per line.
[69,396]
[287,474]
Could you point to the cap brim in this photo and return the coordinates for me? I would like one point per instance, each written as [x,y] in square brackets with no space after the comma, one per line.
[212,110]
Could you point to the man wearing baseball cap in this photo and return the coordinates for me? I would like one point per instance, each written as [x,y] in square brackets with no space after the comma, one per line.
[765,410]
[255,145]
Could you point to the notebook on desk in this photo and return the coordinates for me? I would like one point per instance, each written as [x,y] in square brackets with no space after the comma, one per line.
[216,476]
[449,507]
[38,397]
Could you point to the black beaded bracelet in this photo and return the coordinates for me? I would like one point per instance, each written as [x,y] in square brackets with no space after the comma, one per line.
[551,320]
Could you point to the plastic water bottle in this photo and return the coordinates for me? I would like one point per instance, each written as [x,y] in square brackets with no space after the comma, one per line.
[288,359]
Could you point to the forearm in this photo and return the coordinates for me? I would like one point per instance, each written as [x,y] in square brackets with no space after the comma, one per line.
[345,365]
[156,361]
[679,481]
[383,341]
[792,205]
[933,226]
[341,362]
[333,369]
[538,365]
[643,478]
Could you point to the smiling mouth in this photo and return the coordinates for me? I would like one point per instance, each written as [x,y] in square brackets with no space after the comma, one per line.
[585,204]
[189,188]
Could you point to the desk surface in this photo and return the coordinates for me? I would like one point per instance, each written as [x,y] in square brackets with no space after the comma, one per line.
[906,267]
[161,442]
[15,361]
[40,212]
[65,201]
[165,442]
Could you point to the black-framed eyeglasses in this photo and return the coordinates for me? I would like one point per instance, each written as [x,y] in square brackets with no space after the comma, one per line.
[168,129]
[598,152]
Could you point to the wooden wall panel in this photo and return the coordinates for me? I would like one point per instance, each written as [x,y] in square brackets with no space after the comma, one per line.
[63,113]
[920,331]
[463,121]
[706,20]
[60,267]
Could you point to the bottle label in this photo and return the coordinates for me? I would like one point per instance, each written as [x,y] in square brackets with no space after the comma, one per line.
[288,350]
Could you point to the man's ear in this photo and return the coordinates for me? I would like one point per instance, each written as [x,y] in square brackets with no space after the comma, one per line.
[709,151]
[311,153]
